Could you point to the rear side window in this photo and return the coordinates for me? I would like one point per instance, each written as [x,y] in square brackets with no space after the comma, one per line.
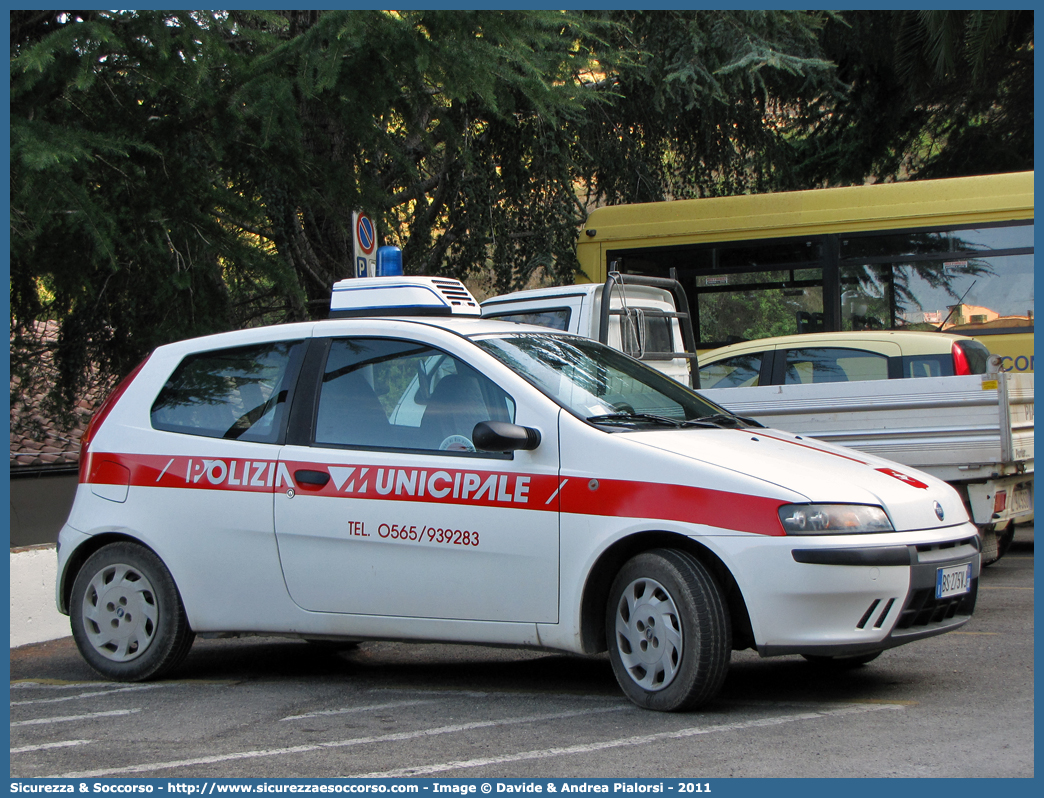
[658,336]
[975,361]
[555,318]
[833,364]
[927,366]
[237,394]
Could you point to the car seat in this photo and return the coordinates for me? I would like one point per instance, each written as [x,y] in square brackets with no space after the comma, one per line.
[350,413]
[455,407]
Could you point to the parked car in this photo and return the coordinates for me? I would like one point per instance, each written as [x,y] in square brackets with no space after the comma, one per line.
[841,357]
[410,471]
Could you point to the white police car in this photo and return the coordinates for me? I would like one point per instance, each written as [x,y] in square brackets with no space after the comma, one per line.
[412,471]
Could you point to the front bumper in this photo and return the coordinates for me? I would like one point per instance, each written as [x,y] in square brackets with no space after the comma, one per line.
[919,615]
[838,598]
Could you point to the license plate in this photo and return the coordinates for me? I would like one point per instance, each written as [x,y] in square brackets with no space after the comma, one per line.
[953,580]
[1021,501]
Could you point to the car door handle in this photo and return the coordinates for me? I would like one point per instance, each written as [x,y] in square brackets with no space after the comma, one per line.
[306,477]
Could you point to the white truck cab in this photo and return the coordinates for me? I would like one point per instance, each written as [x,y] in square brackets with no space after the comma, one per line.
[640,318]
[408,470]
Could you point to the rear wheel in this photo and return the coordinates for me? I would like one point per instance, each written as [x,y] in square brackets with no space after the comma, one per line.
[668,631]
[1005,538]
[126,615]
[996,542]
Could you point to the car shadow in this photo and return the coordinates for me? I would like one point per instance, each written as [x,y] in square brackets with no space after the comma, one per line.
[445,667]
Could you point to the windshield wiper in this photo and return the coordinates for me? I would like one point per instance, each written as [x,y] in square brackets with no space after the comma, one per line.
[636,418]
[729,421]
[718,420]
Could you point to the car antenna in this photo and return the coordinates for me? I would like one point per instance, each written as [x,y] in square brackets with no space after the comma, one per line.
[954,307]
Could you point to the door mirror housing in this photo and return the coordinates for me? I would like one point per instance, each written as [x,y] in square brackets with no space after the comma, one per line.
[500,436]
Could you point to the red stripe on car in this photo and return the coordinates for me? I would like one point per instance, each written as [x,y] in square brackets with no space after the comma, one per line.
[460,486]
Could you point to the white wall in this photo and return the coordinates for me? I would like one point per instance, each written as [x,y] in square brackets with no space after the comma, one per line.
[34,617]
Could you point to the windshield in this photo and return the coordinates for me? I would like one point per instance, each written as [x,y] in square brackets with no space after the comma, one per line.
[600,384]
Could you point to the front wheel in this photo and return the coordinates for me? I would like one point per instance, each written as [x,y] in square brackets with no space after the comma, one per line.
[126,615]
[668,631]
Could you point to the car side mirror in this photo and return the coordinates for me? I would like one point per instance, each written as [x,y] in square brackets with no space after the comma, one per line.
[500,436]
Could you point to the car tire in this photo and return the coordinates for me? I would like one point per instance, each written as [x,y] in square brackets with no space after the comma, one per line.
[668,631]
[1005,538]
[126,614]
[996,542]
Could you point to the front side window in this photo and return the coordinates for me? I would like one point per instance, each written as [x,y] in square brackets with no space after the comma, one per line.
[238,394]
[740,371]
[383,393]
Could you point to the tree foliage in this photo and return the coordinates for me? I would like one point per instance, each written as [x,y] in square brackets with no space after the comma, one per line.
[926,94]
[132,220]
[178,173]
[697,107]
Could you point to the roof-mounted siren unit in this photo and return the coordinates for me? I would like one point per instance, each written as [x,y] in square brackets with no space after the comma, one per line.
[389,262]
[397,295]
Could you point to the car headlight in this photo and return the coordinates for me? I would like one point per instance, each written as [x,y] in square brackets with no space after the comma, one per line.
[833,519]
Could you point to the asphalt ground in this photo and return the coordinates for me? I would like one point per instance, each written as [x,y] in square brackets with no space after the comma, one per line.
[958,705]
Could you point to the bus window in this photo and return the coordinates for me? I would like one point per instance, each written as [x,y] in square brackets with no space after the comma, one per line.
[927,279]
[936,242]
[749,305]
[983,290]
[923,296]
[740,291]
[955,253]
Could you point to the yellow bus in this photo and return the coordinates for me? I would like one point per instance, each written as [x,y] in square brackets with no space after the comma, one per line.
[953,255]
